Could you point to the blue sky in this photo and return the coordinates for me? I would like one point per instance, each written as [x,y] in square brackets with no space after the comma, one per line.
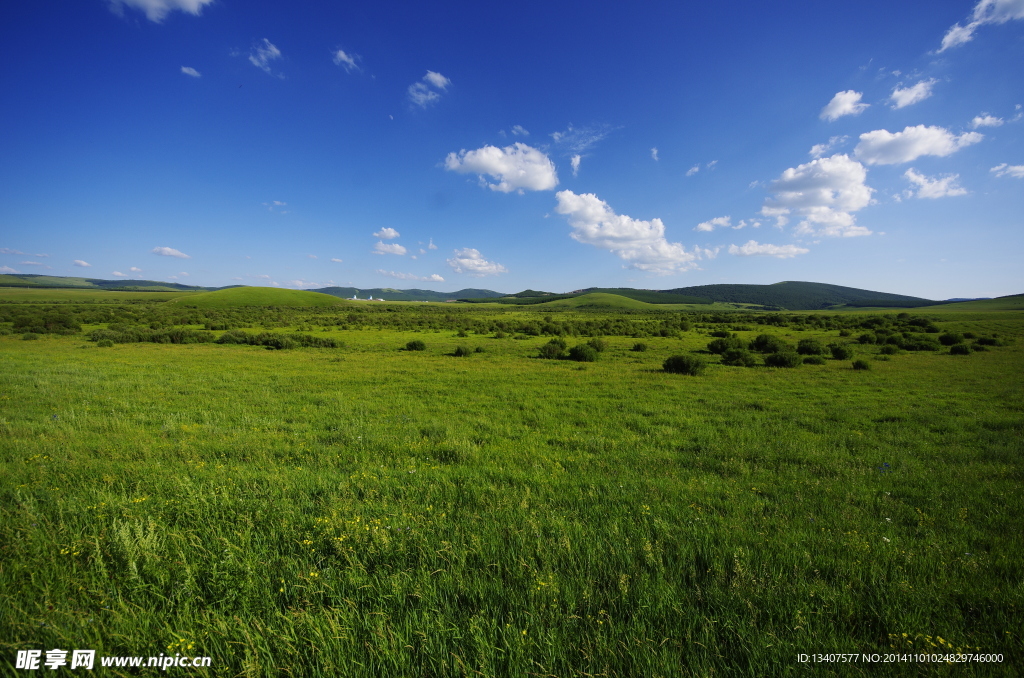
[538,145]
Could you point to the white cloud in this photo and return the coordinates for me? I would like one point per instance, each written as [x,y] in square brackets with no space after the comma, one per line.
[752,249]
[472,263]
[188,70]
[986,120]
[345,60]
[409,276]
[654,153]
[905,96]
[156,10]
[169,252]
[83,264]
[933,188]
[1004,170]
[985,12]
[516,167]
[882,147]
[262,54]
[312,256]
[843,103]
[386,234]
[712,224]
[135,269]
[7,250]
[7,269]
[431,246]
[818,150]
[578,140]
[338,261]
[520,131]
[32,263]
[575,163]
[388,248]
[183,273]
[119,274]
[641,243]
[422,94]
[711,164]
[40,255]
[824,192]
[693,170]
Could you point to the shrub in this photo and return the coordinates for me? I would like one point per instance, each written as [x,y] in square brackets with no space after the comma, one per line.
[739,357]
[723,345]
[978,347]
[461,334]
[969,335]
[810,347]
[720,333]
[104,343]
[233,337]
[840,351]
[684,364]
[551,351]
[951,338]
[276,341]
[988,341]
[844,333]
[767,343]
[814,360]
[500,335]
[866,338]
[584,353]
[30,336]
[478,349]
[889,349]
[598,344]
[782,359]
[959,349]
[920,343]
[416,345]
[639,347]
[861,365]
[461,352]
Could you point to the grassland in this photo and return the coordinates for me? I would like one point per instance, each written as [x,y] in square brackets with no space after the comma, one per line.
[371,511]
[259,297]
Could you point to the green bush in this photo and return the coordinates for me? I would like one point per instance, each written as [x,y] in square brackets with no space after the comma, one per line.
[866,338]
[861,365]
[30,336]
[684,364]
[960,349]
[810,347]
[767,343]
[553,350]
[845,333]
[840,351]
[721,333]
[782,359]
[919,343]
[723,345]
[461,352]
[598,344]
[478,349]
[584,353]
[951,338]
[104,343]
[988,341]
[814,360]
[739,357]
[416,345]
[889,349]
[639,347]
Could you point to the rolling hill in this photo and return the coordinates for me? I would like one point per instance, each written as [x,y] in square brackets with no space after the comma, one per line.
[391,294]
[257,296]
[55,281]
[795,296]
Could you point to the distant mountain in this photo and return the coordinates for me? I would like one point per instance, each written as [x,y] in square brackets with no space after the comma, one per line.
[800,296]
[390,294]
[52,281]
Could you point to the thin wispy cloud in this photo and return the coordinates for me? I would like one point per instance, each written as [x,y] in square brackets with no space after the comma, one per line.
[654,153]
[752,248]
[905,96]
[434,277]
[169,252]
[7,270]
[157,10]
[188,70]
[345,60]
[262,54]
[1005,170]
[428,90]
[83,264]
[7,250]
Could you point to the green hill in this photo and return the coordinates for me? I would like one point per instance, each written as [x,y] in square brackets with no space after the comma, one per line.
[391,294]
[257,296]
[598,300]
[1013,302]
[794,296]
[68,282]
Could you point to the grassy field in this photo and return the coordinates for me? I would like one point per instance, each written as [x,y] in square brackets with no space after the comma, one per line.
[373,511]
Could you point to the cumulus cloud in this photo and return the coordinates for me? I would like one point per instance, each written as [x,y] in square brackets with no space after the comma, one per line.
[1004,170]
[640,243]
[843,103]
[472,263]
[818,150]
[7,269]
[986,120]
[824,192]
[431,245]
[428,90]
[83,264]
[712,224]
[409,276]
[262,54]
[654,153]
[905,96]
[135,269]
[933,188]
[337,261]
[386,234]
[169,252]
[754,249]
[188,70]
[516,168]
[388,248]
[882,147]
[312,256]
[575,163]
[157,10]
[345,60]
[520,131]
[985,12]
[119,274]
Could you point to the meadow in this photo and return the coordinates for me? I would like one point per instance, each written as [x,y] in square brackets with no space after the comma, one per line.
[367,510]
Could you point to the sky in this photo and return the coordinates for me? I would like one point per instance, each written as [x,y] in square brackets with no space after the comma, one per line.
[551,146]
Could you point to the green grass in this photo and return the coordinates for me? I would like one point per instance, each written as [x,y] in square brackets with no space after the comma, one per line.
[370,511]
[259,296]
[43,295]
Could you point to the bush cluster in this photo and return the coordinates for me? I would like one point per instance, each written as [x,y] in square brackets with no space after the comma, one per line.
[684,364]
